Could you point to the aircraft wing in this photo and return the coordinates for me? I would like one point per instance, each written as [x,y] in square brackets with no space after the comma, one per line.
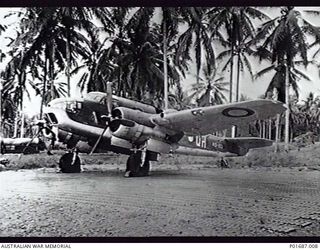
[205,120]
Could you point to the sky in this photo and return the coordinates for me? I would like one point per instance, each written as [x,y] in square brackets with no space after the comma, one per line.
[248,87]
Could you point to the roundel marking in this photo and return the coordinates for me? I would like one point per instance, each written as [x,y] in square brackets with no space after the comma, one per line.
[237,112]
[190,138]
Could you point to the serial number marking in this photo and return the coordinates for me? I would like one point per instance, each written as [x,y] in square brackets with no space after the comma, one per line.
[304,245]
[217,145]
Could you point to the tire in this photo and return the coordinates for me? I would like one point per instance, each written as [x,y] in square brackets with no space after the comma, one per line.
[2,148]
[65,164]
[144,170]
[134,165]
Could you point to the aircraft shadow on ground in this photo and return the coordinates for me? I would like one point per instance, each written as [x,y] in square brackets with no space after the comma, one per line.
[153,173]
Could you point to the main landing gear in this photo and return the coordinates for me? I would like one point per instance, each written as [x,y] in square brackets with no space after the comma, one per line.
[138,164]
[223,163]
[70,162]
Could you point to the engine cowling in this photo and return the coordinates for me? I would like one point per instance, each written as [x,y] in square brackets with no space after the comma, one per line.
[133,132]
[133,115]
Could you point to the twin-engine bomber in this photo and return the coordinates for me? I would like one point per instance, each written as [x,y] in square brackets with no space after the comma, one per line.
[103,122]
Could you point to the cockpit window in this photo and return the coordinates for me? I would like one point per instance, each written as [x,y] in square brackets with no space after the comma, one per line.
[79,105]
[97,97]
[52,118]
[73,106]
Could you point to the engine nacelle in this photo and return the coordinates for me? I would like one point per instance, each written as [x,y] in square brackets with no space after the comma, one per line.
[133,115]
[133,132]
[116,141]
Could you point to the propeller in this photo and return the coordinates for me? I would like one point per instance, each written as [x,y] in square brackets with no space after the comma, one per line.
[101,135]
[106,117]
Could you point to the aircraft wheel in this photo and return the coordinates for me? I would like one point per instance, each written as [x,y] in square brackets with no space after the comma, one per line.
[133,164]
[68,164]
[145,168]
[224,163]
[134,168]
[2,148]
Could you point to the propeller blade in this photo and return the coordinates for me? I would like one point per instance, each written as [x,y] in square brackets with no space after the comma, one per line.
[109,97]
[99,139]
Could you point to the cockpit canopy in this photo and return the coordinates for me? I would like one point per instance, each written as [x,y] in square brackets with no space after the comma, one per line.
[98,97]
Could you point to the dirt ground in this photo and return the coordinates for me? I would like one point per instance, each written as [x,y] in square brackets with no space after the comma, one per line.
[183,196]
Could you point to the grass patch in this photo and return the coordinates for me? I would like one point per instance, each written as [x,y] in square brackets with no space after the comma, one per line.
[42,160]
[264,157]
[295,157]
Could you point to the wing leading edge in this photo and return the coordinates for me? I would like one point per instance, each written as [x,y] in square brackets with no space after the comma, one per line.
[205,120]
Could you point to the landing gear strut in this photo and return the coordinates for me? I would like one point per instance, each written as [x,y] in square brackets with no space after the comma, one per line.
[138,164]
[70,162]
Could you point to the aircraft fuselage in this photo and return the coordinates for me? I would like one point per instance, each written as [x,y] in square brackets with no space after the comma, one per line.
[79,122]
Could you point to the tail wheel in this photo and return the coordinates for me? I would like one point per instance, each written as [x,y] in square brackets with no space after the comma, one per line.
[70,163]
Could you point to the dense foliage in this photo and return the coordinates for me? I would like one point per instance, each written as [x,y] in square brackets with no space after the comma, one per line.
[139,48]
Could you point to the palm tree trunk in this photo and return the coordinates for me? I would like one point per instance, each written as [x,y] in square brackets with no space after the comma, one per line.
[260,129]
[233,128]
[22,126]
[231,74]
[44,87]
[120,87]
[68,63]
[198,92]
[270,129]
[15,131]
[277,133]
[1,123]
[165,69]
[52,59]
[280,130]
[238,79]
[287,122]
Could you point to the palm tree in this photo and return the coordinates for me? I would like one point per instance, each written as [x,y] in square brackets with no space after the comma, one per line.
[197,35]
[210,89]
[242,52]
[44,35]
[169,27]
[136,56]
[72,18]
[284,36]
[55,90]
[2,29]
[236,22]
[96,65]
[279,78]
[139,66]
